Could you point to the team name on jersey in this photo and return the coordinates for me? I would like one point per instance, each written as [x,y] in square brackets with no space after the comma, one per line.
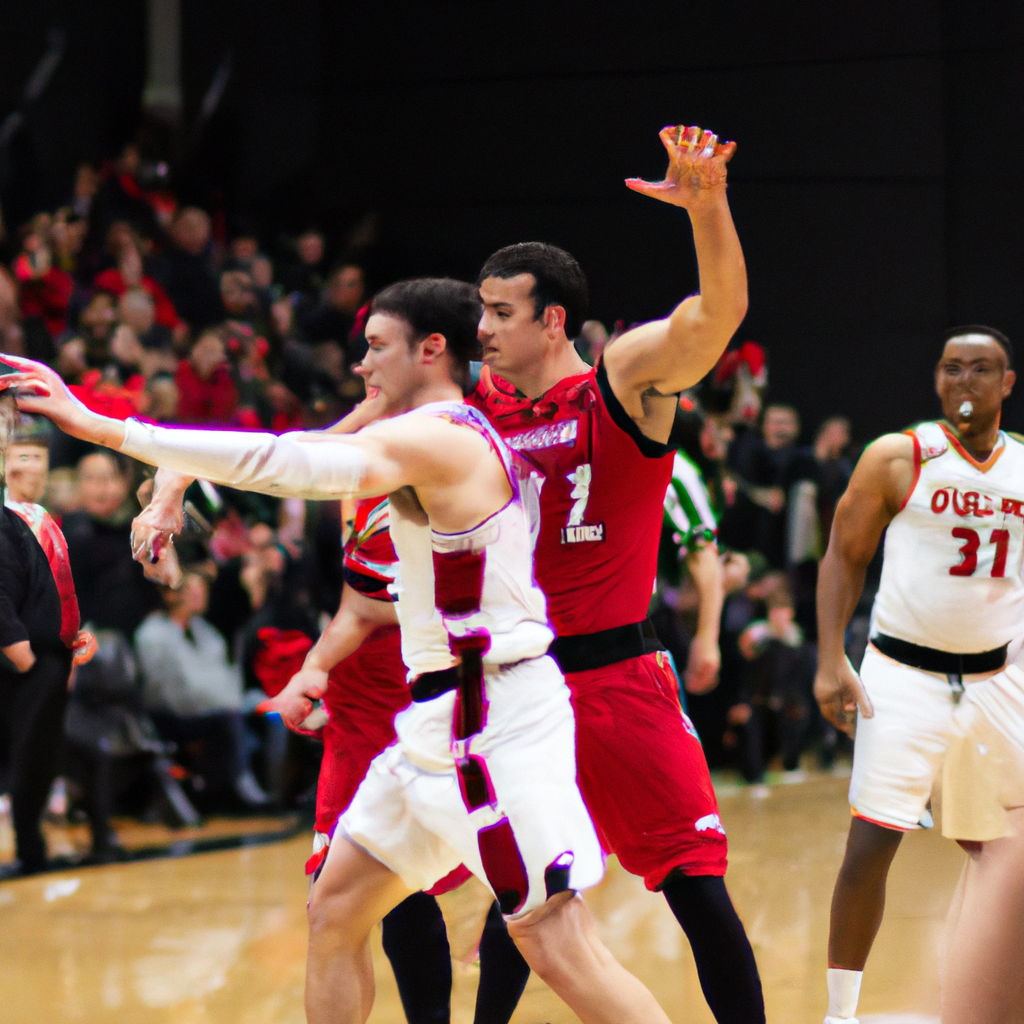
[547,436]
[973,503]
[586,533]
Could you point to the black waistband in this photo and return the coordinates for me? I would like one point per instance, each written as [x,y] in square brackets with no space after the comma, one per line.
[429,685]
[930,660]
[605,647]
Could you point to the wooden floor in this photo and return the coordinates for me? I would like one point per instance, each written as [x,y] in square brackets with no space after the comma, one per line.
[220,938]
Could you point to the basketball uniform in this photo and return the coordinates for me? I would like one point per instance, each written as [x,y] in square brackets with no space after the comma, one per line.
[483,772]
[642,770]
[950,599]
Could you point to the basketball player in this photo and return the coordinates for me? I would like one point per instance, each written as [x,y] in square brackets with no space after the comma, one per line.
[600,437]
[950,495]
[484,771]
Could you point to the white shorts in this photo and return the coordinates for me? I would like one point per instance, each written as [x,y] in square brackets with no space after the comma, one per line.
[534,835]
[898,753]
[983,775]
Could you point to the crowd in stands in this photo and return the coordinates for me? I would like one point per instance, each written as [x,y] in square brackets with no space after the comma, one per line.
[155,309]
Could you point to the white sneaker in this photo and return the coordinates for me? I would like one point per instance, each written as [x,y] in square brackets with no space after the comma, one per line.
[841,1020]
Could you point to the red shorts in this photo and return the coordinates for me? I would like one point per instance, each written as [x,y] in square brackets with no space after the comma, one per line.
[642,771]
[364,693]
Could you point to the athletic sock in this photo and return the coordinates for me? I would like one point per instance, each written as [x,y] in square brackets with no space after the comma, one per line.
[843,992]
[503,972]
[416,943]
[725,962]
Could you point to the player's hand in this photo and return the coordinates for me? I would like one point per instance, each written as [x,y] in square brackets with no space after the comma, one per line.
[41,391]
[696,167]
[84,648]
[372,408]
[702,665]
[295,702]
[840,694]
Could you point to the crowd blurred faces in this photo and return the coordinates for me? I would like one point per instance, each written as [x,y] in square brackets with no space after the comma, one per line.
[781,426]
[27,466]
[103,485]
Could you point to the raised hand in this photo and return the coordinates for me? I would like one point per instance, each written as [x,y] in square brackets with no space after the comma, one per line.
[696,167]
[840,694]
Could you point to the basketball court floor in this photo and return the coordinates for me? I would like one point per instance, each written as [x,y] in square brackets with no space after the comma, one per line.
[220,938]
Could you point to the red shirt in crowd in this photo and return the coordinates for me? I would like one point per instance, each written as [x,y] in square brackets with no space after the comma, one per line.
[205,400]
[47,296]
[112,281]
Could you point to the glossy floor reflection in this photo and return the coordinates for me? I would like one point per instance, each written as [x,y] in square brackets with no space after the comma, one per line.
[220,938]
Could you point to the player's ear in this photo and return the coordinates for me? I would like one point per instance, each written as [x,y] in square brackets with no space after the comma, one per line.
[432,347]
[1009,379]
[554,320]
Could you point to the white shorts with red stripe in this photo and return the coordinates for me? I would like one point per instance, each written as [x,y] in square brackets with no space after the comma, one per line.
[530,837]
[898,753]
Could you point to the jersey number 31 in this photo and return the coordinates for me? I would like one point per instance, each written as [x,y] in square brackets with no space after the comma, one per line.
[969,551]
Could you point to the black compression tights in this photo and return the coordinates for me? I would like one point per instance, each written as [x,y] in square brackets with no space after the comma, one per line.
[416,943]
[725,962]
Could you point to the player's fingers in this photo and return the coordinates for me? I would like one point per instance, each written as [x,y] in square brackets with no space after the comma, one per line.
[708,144]
[725,150]
[646,188]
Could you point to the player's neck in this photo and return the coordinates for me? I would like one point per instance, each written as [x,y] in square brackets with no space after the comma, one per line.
[979,440]
[434,391]
[545,374]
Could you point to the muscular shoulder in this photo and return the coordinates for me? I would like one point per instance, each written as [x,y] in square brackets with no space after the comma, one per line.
[888,468]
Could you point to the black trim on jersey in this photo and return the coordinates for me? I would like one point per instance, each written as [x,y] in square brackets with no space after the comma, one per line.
[648,448]
[368,586]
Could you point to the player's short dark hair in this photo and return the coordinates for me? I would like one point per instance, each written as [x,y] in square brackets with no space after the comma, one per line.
[997,336]
[558,279]
[436,305]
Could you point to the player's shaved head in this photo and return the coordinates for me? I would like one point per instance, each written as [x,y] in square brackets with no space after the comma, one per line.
[979,334]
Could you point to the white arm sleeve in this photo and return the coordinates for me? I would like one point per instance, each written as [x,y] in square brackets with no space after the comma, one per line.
[296,465]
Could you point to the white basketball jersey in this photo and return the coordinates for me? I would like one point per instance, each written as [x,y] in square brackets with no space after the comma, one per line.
[951,579]
[495,563]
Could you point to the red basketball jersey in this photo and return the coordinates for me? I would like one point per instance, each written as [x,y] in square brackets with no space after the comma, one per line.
[601,503]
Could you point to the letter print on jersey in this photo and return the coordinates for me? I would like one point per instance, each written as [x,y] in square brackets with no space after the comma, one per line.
[575,530]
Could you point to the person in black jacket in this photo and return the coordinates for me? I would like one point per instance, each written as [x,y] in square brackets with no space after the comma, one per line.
[39,640]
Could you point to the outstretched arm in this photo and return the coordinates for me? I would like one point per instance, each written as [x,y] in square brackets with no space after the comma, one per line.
[666,356]
[317,466]
[879,484]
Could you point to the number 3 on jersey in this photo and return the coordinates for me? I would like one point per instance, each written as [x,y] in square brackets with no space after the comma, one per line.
[969,551]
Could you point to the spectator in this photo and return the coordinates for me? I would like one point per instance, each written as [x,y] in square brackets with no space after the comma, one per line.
[163,398]
[834,467]
[192,691]
[113,593]
[45,289]
[343,296]
[90,343]
[206,392]
[767,466]
[39,628]
[306,276]
[128,274]
[137,309]
[185,270]
[774,709]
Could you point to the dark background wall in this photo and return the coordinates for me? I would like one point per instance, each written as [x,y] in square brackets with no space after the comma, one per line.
[877,186]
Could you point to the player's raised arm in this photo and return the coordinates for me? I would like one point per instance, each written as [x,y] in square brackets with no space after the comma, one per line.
[666,356]
[881,481]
